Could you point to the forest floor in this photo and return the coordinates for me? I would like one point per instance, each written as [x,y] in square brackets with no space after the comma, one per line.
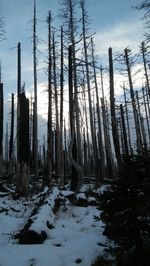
[54,227]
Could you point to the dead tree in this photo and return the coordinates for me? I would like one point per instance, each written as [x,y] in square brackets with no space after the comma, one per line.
[113,112]
[110,164]
[12,128]
[61,112]
[49,124]
[11,140]
[57,137]
[1,128]
[22,133]
[107,143]
[127,121]
[143,49]
[124,132]
[141,123]
[88,170]
[77,173]
[146,113]
[35,118]
[23,157]
[6,144]
[100,140]
[70,26]
[135,113]
[89,87]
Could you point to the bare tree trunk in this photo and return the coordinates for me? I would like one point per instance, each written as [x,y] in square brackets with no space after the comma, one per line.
[136,120]
[146,114]
[49,124]
[56,111]
[110,164]
[102,161]
[22,134]
[11,141]
[124,132]
[89,89]
[6,144]
[141,123]
[145,67]
[127,119]
[86,122]
[35,119]
[107,144]
[113,113]
[1,128]
[18,113]
[61,113]
[23,157]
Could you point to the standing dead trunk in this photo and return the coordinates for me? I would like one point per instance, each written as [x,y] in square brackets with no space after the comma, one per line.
[141,123]
[127,119]
[11,140]
[49,124]
[35,118]
[135,114]
[23,157]
[57,137]
[113,113]
[1,129]
[100,140]
[124,133]
[145,67]
[107,145]
[61,113]
[146,114]
[89,89]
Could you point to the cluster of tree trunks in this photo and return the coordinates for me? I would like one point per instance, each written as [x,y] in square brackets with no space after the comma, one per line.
[98,137]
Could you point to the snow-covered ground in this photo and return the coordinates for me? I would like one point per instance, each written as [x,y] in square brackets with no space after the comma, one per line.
[75,239]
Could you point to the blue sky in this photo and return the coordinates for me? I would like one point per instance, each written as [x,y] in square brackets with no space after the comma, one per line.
[115,22]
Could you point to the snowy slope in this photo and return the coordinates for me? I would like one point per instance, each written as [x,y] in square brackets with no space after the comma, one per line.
[74,239]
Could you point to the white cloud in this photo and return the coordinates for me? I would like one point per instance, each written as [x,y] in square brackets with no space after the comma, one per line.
[119,36]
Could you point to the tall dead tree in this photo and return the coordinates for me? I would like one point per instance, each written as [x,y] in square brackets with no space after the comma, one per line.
[135,114]
[100,140]
[88,170]
[35,118]
[61,112]
[23,157]
[57,138]
[22,133]
[84,33]
[113,112]
[107,143]
[11,141]
[70,27]
[1,127]
[124,132]
[142,128]
[143,49]
[127,120]
[146,113]
[6,144]
[49,124]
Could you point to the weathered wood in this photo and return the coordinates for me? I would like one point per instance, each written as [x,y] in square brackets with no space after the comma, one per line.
[113,112]
[135,114]
[1,128]
[100,140]
[61,113]
[35,119]
[124,132]
[88,86]
[49,123]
